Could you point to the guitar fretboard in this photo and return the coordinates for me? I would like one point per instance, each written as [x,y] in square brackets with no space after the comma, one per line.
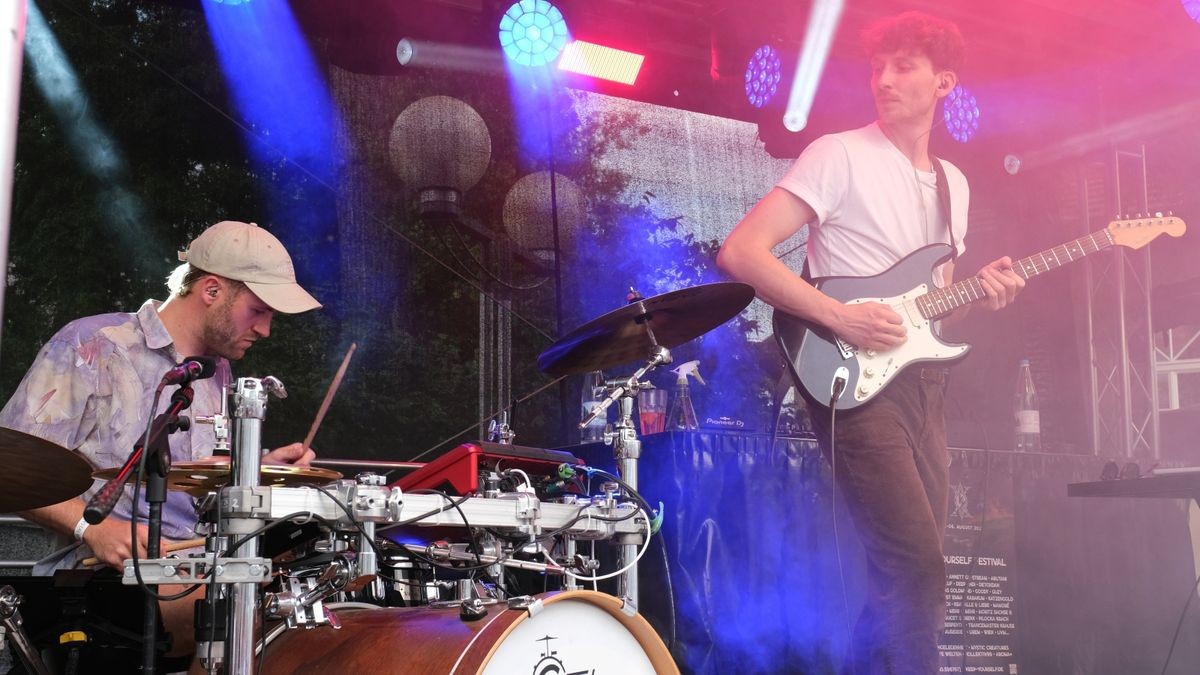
[938,303]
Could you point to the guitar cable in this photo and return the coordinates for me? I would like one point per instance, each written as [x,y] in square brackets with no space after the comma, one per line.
[840,377]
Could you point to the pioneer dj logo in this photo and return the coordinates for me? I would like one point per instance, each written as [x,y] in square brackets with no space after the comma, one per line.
[550,664]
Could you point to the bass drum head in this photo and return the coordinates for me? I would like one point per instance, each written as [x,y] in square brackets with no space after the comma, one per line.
[571,632]
[574,635]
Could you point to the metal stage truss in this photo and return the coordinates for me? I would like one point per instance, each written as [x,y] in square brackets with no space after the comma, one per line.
[1120,336]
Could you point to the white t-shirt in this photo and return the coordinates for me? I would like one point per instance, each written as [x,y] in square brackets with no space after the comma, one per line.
[873,207]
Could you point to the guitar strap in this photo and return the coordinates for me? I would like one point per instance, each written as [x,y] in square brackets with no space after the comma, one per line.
[943,192]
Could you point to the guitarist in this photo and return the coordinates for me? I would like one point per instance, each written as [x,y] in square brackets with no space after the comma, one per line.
[870,197]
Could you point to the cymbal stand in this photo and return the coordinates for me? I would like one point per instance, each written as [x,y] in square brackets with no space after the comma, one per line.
[243,505]
[627,448]
[240,518]
[11,628]
[367,562]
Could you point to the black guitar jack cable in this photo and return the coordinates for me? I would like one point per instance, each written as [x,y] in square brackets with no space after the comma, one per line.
[840,377]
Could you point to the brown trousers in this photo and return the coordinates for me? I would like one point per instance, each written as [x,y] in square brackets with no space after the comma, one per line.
[892,474]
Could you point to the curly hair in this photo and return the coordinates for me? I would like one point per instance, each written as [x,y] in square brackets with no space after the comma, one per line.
[938,39]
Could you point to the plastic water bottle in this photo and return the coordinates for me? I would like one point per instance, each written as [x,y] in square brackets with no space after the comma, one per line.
[593,394]
[1028,433]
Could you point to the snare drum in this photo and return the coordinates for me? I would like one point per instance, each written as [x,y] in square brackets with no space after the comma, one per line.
[571,632]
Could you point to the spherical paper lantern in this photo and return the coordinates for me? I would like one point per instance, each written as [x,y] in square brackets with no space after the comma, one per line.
[440,142]
[528,217]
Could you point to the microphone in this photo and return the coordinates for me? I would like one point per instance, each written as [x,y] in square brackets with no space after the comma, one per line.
[192,368]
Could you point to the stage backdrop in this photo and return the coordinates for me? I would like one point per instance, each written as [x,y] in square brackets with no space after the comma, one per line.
[451,293]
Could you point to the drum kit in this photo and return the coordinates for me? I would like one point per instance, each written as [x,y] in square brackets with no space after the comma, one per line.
[380,577]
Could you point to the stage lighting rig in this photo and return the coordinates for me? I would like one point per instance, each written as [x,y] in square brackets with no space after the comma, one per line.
[533,32]
[763,73]
[961,113]
[599,61]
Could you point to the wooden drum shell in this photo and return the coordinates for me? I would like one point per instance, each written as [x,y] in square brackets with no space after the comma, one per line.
[425,640]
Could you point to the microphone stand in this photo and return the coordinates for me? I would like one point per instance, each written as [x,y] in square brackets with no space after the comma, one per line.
[101,504]
[158,465]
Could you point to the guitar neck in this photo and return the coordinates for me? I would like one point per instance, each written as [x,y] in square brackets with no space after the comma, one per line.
[938,303]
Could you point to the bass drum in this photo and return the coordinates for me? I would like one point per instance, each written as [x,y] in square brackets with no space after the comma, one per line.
[568,632]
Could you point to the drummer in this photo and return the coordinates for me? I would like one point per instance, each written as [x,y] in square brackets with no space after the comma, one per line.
[91,385]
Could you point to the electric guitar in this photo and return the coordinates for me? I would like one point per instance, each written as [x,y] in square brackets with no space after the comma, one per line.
[817,358]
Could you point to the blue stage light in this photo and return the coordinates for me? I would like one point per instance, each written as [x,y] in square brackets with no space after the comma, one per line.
[961,113]
[762,76]
[533,32]
[231,2]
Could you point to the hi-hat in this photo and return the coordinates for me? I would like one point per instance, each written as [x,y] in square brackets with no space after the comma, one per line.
[621,336]
[38,473]
[200,478]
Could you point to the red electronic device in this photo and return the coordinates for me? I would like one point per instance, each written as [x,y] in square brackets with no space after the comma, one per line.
[457,472]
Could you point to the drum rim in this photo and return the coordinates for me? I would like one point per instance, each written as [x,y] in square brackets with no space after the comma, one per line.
[652,645]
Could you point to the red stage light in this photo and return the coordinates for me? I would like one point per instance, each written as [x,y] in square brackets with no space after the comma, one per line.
[606,63]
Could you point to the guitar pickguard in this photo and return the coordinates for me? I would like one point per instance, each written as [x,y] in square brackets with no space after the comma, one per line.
[818,359]
[876,369]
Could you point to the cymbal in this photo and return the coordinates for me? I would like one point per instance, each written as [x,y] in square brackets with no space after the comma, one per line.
[39,473]
[621,337]
[200,478]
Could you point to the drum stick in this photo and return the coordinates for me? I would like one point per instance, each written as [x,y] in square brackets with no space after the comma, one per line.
[333,386]
[167,548]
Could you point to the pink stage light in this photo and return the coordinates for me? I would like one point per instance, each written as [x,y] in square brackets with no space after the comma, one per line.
[605,63]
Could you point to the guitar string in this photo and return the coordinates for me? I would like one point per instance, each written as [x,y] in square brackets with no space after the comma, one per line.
[943,300]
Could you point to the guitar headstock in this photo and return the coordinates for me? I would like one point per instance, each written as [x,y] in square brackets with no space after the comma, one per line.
[1137,232]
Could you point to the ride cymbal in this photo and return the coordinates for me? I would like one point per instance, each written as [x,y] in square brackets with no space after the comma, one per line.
[621,336]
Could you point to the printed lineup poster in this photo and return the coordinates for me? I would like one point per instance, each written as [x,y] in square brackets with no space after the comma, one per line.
[980,550]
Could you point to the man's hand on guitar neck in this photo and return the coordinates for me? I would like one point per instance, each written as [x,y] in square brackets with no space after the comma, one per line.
[1000,282]
[868,325]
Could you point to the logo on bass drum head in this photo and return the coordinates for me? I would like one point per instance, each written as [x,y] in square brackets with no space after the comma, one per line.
[550,664]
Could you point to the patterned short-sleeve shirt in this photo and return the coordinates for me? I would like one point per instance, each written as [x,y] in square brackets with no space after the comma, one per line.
[90,390]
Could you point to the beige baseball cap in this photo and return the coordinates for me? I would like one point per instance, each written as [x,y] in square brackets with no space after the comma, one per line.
[247,253]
